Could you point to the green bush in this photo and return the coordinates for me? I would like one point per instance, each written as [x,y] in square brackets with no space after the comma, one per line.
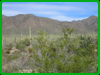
[86,42]
[22,44]
[63,55]
[9,46]
[26,42]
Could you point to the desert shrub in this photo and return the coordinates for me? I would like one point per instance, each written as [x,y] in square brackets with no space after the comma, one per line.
[78,65]
[61,67]
[87,46]
[8,47]
[96,43]
[9,58]
[4,60]
[16,55]
[87,41]
[46,64]
[54,57]
[62,55]
[26,42]
[3,51]
[8,69]
[82,37]
[4,55]
[22,44]
[7,51]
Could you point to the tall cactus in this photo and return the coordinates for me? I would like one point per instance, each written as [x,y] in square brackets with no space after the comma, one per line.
[21,36]
[93,34]
[30,35]
[15,39]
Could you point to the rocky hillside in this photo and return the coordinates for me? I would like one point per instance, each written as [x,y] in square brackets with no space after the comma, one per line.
[21,23]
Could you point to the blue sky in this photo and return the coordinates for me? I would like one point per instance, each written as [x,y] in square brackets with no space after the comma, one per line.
[62,11]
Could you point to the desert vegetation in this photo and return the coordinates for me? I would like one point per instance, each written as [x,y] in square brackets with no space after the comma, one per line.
[43,53]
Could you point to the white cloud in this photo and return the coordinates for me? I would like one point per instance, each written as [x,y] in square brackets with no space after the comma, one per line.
[54,7]
[65,18]
[50,10]
[49,13]
[37,6]
[53,14]
[10,12]
[13,12]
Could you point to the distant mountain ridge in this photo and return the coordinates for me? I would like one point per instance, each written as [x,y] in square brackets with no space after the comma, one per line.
[21,23]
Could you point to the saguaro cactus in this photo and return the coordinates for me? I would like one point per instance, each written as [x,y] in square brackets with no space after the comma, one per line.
[93,34]
[21,36]
[30,35]
[15,39]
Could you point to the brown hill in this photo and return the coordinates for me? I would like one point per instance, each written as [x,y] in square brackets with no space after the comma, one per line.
[21,23]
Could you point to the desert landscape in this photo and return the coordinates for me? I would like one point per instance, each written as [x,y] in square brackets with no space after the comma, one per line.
[32,44]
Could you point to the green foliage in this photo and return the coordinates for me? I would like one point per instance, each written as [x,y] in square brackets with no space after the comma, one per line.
[82,37]
[60,67]
[46,64]
[26,42]
[8,69]
[22,44]
[4,60]
[86,42]
[9,46]
[14,56]
[62,55]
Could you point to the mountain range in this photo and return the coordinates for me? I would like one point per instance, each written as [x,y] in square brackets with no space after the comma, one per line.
[20,24]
